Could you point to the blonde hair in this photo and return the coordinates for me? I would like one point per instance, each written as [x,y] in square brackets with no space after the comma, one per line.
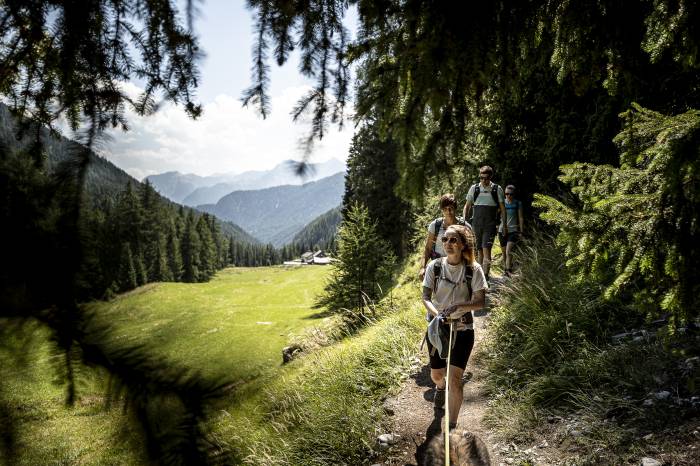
[466,236]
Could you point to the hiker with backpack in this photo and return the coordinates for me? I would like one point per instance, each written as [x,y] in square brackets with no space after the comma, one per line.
[453,287]
[509,236]
[487,200]
[436,229]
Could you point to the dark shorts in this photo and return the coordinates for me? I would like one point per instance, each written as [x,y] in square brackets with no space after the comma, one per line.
[460,352]
[509,238]
[484,235]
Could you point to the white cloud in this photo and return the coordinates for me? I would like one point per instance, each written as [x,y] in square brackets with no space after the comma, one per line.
[226,138]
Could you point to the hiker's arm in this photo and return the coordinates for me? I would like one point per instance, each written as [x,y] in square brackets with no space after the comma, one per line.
[467,208]
[521,220]
[427,294]
[458,310]
[426,254]
[502,206]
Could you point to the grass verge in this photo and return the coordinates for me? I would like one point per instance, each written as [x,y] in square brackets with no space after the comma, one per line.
[556,373]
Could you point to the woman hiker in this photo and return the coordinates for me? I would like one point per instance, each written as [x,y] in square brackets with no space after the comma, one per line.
[453,287]
[514,228]
[433,245]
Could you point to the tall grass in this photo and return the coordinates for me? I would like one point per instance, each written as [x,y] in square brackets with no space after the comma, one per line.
[549,349]
[329,410]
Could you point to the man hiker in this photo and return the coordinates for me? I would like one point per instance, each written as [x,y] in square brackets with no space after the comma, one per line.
[487,200]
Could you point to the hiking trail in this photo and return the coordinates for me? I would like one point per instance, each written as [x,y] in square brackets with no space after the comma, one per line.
[416,421]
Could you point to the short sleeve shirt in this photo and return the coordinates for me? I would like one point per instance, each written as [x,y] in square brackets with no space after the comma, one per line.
[512,219]
[438,244]
[485,198]
[451,288]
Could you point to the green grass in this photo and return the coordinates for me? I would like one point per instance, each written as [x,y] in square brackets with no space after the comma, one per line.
[327,407]
[234,326]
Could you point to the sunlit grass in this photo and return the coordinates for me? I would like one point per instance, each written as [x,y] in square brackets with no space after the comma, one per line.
[234,326]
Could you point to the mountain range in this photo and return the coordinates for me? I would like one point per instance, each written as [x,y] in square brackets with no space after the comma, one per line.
[193,190]
[277,214]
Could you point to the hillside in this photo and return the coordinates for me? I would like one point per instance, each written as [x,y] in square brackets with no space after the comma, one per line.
[103,180]
[320,232]
[261,212]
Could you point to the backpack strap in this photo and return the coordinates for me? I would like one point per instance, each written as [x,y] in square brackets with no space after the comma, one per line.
[437,272]
[468,274]
[438,225]
[494,192]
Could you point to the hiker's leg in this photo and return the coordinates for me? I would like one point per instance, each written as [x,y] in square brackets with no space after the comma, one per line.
[502,240]
[456,392]
[486,262]
[438,376]
[509,256]
[486,244]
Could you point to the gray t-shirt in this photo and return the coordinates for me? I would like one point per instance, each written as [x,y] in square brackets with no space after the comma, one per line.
[451,288]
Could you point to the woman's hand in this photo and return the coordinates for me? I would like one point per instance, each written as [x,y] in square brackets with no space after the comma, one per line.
[451,310]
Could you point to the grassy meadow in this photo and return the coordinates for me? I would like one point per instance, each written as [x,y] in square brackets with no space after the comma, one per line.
[234,326]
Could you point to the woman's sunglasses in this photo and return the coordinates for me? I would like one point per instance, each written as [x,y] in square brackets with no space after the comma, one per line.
[449,239]
[509,194]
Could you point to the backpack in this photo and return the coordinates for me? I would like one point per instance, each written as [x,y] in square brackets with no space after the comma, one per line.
[494,192]
[438,226]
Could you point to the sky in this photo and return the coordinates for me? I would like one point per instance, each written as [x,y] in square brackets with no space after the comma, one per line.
[227,138]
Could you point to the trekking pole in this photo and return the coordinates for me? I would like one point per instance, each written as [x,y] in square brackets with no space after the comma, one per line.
[447,398]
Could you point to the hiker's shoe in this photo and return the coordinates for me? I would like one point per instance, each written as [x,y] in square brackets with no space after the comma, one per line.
[439,400]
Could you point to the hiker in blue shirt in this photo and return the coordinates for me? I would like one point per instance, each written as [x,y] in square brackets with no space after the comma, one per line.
[453,287]
[437,228]
[514,228]
[487,200]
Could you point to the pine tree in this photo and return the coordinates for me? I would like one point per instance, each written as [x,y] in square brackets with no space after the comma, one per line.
[371,181]
[191,247]
[207,249]
[364,266]
[175,263]
[635,228]
[128,279]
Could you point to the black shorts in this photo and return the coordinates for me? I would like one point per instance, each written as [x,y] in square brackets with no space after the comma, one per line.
[484,235]
[509,238]
[460,351]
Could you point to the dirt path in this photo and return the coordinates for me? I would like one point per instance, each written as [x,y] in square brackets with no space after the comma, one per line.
[416,421]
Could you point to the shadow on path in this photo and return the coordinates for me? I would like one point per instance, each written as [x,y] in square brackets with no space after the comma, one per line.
[433,429]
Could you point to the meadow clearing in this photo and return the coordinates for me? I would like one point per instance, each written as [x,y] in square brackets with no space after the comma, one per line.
[233,326]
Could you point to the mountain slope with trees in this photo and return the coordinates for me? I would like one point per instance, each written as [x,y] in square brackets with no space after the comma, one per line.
[276,214]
